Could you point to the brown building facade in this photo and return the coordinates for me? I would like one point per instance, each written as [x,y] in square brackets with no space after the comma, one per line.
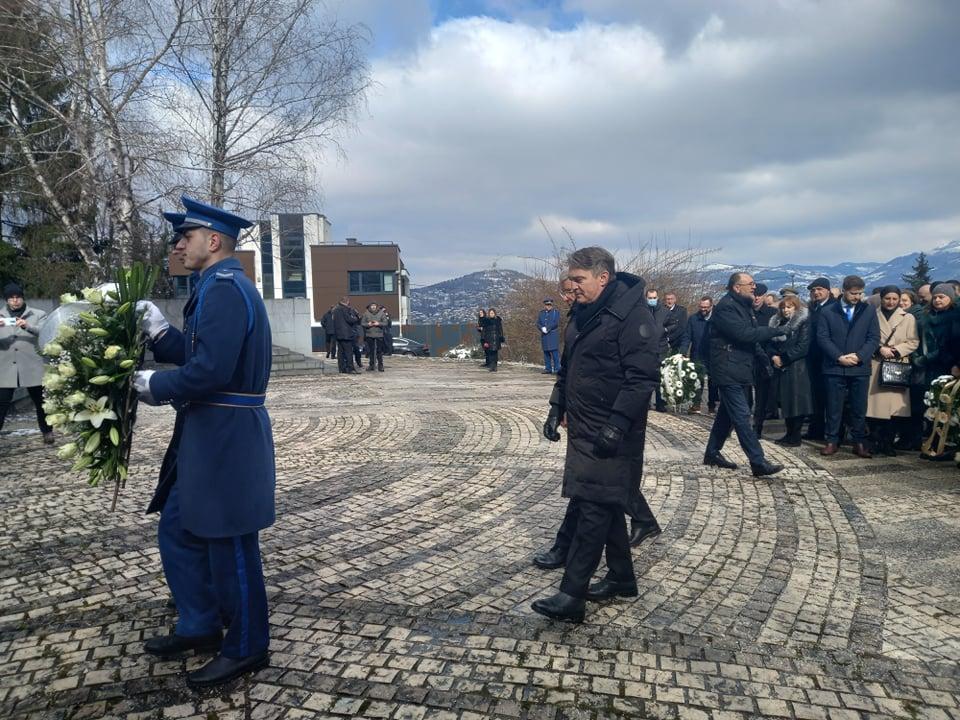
[365,273]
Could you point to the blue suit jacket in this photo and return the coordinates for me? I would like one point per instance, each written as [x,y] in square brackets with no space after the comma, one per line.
[222,457]
[550,319]
[837,336]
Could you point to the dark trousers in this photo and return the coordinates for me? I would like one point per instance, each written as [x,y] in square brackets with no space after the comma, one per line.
[713,395]
[375,351]
[764,398]
[36,394]
[598,526]
[818,418]
[331,346]
[215,582]
[491,356]
[345,355]
[551,361]
[637,508]
[358,352]
[852,388]
[734,414]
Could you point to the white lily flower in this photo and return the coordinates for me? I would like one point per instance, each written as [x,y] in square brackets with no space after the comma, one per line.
[96,412]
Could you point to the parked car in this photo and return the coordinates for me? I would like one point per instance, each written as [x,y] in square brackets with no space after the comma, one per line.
[406,346]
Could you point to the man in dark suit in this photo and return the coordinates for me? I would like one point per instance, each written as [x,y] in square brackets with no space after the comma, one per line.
[848,334]
[675,325]
[660,318]
[820,299]
[346,326]
[698,334]
[734,336]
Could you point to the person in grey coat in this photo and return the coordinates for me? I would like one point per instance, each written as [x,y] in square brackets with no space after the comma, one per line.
[20,361]
[374,321]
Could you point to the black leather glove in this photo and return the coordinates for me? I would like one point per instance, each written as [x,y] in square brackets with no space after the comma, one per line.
[608,441]
[550,431]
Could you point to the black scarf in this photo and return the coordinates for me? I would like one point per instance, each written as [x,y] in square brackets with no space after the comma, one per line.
[16,313]
[888,313]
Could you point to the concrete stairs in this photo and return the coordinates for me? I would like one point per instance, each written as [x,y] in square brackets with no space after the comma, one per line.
[287,362]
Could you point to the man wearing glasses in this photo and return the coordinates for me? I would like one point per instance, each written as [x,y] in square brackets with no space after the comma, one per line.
[734,336]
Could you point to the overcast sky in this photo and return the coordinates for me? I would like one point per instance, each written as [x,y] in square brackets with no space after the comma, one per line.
[775,130]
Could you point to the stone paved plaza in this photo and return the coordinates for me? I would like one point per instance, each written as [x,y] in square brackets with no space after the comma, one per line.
[409,505]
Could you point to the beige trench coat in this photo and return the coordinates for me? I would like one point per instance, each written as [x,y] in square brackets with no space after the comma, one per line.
[885,403]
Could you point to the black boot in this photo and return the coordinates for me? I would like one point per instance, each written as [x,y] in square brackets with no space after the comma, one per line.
[562,607]
[607,588]
[641,531]
[551,559]
[172,645]
[765,468]
[792,437]
[222,669]
[720,461]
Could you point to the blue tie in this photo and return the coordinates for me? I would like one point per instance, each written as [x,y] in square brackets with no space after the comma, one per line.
[849,311]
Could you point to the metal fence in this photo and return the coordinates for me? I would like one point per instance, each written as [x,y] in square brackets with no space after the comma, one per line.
[441,338]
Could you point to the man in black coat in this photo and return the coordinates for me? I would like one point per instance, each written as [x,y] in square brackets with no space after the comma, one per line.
[331,335]
[602,396]
[675,325]
[660,317]
[698,335]
[848,334]
[764,390]
[346,321]
[820,300]
[734,340]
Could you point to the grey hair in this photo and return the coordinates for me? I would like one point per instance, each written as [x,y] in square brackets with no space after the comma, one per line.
[595,259]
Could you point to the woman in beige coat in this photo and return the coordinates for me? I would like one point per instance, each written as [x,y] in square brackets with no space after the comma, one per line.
[898,340]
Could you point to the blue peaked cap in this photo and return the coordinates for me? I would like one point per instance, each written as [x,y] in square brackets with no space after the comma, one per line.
[201,215]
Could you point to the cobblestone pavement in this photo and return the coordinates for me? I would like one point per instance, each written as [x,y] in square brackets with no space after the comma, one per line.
[409,506]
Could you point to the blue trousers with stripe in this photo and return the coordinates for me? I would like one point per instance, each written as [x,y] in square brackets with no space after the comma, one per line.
[215,582]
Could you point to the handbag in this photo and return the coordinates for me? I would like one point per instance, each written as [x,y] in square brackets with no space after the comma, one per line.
[895,373]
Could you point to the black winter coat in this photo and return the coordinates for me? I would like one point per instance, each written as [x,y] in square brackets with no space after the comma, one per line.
[345,322]
[698,333]
[734,340]
[940,336]
[675,328]
[611,366]
[815,356]
[661,318]
[793,380]
[491,333]
[327,322]
[837,336]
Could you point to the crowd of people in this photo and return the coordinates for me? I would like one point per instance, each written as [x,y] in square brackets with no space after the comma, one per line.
[350,333]
[844,364]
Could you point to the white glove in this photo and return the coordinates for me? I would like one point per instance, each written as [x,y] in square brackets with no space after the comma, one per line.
[543,330]
[141,383]
[153,323]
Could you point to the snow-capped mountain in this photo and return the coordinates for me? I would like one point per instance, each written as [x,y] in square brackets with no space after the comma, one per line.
[944,263]
[457,300]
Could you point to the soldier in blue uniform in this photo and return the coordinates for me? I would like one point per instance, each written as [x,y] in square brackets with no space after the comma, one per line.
[216,489]
[548,322]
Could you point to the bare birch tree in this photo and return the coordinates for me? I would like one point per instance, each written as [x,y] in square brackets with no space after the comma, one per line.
[266,85]
[106,52]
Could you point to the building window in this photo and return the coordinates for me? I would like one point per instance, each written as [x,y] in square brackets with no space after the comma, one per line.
[266,259]
[181,286]
[293,265]
[371,282]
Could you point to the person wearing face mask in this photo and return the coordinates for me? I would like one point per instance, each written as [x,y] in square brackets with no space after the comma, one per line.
[889,407]
[849,335]
[20,363]
[660,317]
[788,356]
[698,332]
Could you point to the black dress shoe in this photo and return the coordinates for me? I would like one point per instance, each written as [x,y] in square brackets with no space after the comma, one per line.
[171,645]
[788,442]
[562,607]
[641,531]
[607,588]
[719,461]
[814,436]
[765,468]
[550,559]
[222,669]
